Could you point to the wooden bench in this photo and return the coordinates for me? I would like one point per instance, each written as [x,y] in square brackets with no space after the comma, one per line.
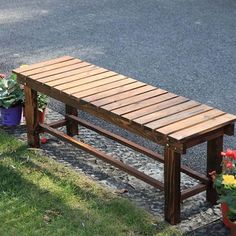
[172,121]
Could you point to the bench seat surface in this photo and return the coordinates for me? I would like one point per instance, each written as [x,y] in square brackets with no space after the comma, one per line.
[147,110]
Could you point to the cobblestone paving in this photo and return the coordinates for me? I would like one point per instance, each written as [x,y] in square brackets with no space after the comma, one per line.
[198,218]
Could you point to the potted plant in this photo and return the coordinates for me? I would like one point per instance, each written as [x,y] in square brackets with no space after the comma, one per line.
[42,104]
[225,185]
[11,100]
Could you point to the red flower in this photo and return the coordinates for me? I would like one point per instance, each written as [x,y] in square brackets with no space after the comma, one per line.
[43,140]
[2,76]
[229,165]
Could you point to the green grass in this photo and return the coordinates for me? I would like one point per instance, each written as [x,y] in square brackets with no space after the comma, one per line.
[39,196]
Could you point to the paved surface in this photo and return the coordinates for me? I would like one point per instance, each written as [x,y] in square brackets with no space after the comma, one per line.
[185,46]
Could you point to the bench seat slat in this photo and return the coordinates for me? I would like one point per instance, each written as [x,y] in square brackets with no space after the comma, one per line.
[56,71]
[105,88]
[148,115]
[86,77]
[52,67]
[53,78]
[111,92]
[42,64]
[101,79]
[178,116]
[191,121]
[207,126]
[144,103]
[129,97]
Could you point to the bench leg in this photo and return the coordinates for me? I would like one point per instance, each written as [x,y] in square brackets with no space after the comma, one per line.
[214,159]
[31,117]
[172,162]
[71,126]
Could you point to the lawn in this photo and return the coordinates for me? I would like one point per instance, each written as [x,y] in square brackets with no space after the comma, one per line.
[39,196]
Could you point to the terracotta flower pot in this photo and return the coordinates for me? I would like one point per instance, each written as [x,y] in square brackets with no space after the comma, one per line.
[227,222]
[42,116]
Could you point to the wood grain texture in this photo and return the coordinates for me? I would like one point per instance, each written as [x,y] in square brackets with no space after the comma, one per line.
[111,92]
[52,67]
[143,103]
[42,64]
[181,123]
[128,97]
[204,127]
[214,160]
[156,107]
[31,117]
[106,87]
[172,186]
[71,126]
[158,111]
[81,67]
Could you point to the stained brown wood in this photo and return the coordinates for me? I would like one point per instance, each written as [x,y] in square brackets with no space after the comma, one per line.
[71,125]
[82,67]
[183,123]
[203,127]
[155,109]
[172,186]
[32,118]
[214,160]
[105,88]
[177,116]
[114,91]
[128,143]
[104,79]
[52,67]
[193,191]
[42,64]
[167,119]
[55,71]
[101,155]
[94,75]
[87,74]
[148,114]
[144,103]
[128,97]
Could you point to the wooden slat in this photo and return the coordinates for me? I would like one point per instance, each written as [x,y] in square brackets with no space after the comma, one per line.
[114,91]
[81,66]
[70,79]
[193,191]
[104,88]
[172,186]
[42,64]
[103,156]
[128,97]
[148,115]
[55,72]
[85,80]
[104,81]
[178,116]
[204,127]
[197,119]
[86,77]
[52,67]
[145,103]
[128,143]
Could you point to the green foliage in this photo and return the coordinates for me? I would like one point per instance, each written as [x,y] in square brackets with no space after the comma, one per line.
[39,196]
[42,101]
[10,92]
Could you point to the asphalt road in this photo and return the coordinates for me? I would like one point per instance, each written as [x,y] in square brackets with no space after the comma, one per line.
[185,46]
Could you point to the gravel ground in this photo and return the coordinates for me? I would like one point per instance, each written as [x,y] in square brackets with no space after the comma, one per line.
[198,218]
[185,46]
